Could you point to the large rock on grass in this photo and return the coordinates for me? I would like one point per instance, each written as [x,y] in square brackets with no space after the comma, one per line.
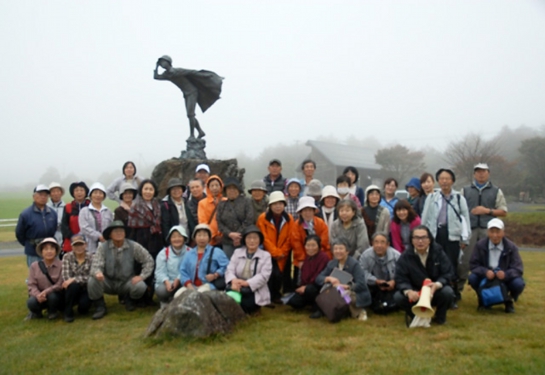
[185,169]
[194,314]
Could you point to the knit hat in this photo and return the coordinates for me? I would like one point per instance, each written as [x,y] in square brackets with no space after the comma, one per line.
[314,188]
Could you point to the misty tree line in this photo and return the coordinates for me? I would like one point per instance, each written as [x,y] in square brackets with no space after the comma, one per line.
[516,158]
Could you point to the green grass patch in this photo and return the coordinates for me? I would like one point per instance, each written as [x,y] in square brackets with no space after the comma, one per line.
[279,341]
[534,217]
[11,205]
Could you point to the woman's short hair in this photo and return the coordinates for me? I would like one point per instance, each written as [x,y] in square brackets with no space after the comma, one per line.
[347,203]
[343,178]
[389,180]
[313,237]
[148,181]
[125,166]
[403,203]
[353,170]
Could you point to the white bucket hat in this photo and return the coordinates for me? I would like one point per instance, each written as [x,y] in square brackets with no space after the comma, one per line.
[56,185]
[277,196]
[97,186]
[305,202]
[329,191]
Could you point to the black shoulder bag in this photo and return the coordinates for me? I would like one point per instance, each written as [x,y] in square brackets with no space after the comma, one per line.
[43,268]
[219,283]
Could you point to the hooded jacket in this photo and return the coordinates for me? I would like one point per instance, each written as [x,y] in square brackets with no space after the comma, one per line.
[207,209]
[277,243]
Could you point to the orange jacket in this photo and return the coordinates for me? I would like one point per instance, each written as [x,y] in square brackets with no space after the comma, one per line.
[277,244]
[207,206]
[299,235]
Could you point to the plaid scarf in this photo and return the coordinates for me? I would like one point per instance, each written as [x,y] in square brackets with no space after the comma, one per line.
[140,215]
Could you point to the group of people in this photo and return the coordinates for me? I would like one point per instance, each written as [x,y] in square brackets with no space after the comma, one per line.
[281,243]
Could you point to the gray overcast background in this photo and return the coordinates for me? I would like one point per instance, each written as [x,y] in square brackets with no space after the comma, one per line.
[78,90]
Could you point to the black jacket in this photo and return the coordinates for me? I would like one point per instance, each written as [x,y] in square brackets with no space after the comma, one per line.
[170,218]
[410,273]
[510,261]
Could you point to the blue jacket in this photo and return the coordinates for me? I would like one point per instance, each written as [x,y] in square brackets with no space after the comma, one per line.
[35,225]
[189,264]
[168,268]
[389,205]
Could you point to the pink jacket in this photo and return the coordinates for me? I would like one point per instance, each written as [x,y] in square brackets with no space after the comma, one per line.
[258,283]
[395,231]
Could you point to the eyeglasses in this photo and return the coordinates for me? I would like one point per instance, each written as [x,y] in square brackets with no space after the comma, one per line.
[420,238]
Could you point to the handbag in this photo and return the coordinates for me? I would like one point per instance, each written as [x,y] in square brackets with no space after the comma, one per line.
[332,304]
[492,292]
[219,283]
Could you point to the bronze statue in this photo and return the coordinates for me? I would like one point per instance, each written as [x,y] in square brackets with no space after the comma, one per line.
[199,86]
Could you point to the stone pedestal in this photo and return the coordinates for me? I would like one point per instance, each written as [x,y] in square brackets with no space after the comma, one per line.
[195,149]
[185,169]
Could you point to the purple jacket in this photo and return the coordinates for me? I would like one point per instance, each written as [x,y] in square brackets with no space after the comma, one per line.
[510,261]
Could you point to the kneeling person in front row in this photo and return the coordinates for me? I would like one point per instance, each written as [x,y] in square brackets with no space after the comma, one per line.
[495,257]
[112,271]
[45,281]
[424,259]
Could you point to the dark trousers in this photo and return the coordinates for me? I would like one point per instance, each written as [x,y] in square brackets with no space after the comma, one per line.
[288,282]
[442,299]
[52,304]
[76,294]
[275,281]
[247,301]
[514,286]
[452,249]
[299,301]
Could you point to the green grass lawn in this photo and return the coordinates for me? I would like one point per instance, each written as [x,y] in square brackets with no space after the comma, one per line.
[279,341]
[12,203]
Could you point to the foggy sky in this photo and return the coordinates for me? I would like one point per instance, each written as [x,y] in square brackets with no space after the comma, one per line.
[78,89]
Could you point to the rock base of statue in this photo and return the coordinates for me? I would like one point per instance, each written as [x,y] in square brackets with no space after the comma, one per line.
[195,149]
[194,314]
[185,170]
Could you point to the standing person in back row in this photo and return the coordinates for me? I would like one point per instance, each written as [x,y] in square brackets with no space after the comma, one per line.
[389,198]
[36,222]
[447,217]
[274,180]
[485,201]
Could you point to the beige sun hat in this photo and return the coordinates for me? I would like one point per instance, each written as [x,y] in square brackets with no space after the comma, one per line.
[277,196]
[330,191]
[45,241]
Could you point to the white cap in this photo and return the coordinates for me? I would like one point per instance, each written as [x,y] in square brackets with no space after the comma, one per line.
[202,166]
[481,166]
[41,187]
[56,185]
[495,223]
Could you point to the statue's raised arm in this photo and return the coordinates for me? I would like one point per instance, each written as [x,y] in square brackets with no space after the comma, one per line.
[201,87]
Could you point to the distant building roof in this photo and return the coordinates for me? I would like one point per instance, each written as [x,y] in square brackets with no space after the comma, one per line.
[344,155]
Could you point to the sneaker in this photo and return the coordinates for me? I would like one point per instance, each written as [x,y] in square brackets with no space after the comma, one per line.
[32,316]
[69,318]
[363,316]
[316,314]
[439,321]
